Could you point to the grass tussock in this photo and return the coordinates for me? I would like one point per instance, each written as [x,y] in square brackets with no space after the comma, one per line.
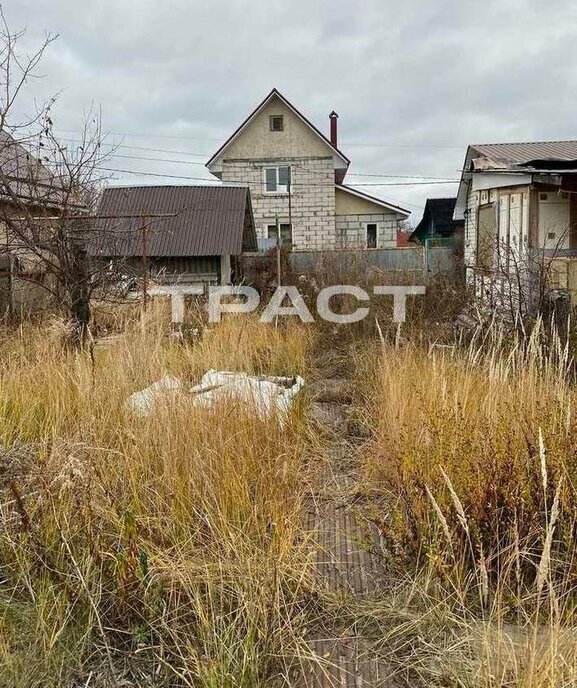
[157,549]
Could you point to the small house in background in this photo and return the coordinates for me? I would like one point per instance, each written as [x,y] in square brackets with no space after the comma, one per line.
[184,234]
[27,186]
[437,226]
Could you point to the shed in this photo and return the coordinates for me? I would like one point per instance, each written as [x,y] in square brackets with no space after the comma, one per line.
[178,233]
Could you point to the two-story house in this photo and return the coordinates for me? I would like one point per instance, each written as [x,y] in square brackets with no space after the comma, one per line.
[295,175]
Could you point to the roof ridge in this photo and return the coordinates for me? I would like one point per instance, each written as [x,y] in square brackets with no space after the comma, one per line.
[522,143]
[177,186]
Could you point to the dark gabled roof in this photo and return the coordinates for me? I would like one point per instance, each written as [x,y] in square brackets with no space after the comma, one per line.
[207,221]
[257,109]
[439,213]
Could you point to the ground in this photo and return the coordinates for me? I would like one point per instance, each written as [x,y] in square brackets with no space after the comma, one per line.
[347,546]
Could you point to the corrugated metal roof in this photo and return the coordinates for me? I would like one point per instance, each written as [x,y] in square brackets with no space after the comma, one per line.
[208,221]
[522,153]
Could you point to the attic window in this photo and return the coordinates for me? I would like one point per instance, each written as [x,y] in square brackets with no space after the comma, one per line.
[276,123]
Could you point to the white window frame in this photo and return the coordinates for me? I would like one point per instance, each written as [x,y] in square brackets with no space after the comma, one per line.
[285,187]
[377,242]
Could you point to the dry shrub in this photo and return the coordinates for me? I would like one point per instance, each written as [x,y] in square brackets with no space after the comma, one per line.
[429,317]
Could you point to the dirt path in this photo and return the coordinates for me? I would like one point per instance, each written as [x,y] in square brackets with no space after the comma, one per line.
[346,548]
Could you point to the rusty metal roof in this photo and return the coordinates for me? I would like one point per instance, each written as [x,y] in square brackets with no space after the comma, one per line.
[522,153]
[207,221]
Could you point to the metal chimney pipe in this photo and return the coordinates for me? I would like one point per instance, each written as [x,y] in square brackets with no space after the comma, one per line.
[333,120]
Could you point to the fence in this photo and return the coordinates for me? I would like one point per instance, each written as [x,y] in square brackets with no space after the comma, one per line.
[427,261]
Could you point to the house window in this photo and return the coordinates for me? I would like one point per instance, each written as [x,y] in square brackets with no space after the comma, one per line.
[276,122]
[286,235]
[372,229]
[277,179]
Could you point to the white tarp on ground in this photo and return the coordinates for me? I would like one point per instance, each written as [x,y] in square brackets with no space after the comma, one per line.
[267,395]
[143,401]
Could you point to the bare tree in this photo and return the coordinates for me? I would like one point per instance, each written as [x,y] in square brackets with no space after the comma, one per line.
[48,191]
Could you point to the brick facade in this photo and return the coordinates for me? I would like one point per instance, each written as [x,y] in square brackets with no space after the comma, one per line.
[323,215]
[312,198]
[351,230]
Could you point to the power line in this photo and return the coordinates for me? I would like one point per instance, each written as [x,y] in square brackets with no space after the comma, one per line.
[149,136]
[351,143]
[202,164]
[397,176]
[141,157]
[358,174]
[146,148]
[207,179]
[406,145]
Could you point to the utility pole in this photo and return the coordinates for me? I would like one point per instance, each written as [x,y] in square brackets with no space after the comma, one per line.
[290,185]
[145,219]
[144,230]
[278,245]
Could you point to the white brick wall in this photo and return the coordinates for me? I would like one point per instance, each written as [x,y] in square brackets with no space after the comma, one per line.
[312,198]
[471,228]
[351,231]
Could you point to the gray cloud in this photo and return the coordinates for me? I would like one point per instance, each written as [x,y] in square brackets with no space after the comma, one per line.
[414,81]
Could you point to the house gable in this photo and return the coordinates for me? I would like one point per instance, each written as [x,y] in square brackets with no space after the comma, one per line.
[254,140]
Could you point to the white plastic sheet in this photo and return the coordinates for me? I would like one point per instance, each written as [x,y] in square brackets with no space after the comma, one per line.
[267,396]
[143,401]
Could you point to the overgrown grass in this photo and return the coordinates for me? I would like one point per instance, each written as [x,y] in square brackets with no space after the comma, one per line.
[158,549]
[167,550]
[472,462]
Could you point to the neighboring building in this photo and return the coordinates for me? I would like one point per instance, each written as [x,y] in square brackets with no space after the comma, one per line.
[437,226]
[295,175]
[208,228]
[27,186]
[403,238]
[519,205]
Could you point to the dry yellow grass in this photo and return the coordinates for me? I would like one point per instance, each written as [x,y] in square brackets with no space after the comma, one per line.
[473,456]
[165,543]
[465,426]
[164,550]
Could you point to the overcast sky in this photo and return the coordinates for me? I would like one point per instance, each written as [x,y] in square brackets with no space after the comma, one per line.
[413,82]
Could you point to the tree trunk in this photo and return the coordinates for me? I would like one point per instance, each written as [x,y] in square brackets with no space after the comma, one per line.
[78,288]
